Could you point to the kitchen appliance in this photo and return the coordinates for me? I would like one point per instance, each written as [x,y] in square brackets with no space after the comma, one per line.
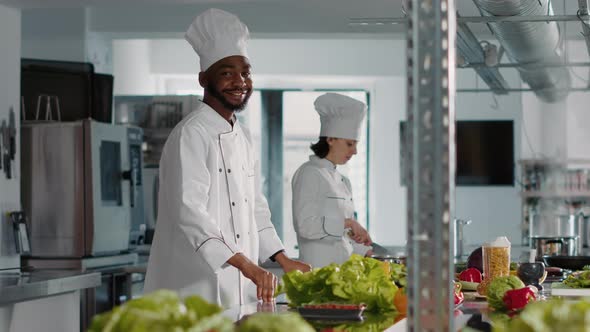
[135,175]
[81,187]
[81,92]
[554,246]
[150,192]
[157,116]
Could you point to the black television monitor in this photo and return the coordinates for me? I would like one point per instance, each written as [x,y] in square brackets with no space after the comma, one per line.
[485,153]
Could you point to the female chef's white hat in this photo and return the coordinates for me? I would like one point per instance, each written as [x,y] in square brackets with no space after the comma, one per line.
[340,116]
[216,34]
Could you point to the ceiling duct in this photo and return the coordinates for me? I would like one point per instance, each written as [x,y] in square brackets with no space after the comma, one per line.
[530,43]
[472,52]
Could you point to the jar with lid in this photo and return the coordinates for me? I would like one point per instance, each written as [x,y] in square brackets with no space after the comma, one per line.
[496,261]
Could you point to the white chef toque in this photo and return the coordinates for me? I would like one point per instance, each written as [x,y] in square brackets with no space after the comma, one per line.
[216,34]
[340,116]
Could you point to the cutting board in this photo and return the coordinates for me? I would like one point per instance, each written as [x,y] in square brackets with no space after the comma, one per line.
[559,289]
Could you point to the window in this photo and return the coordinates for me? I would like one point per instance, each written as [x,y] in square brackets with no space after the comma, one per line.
[282,150]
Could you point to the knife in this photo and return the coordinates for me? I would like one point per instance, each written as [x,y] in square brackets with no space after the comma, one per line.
[380,250]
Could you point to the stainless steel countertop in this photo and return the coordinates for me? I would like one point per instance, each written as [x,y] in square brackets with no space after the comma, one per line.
[24,286]
[280,306]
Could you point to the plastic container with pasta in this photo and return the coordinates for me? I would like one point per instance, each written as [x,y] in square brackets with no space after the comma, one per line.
[496,261]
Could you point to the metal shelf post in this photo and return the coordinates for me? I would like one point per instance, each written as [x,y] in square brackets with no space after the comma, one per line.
[431,156]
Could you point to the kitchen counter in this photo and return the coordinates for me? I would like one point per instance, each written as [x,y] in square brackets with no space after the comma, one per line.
[24,286]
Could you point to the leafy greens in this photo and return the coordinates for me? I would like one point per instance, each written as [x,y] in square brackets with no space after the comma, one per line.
[358,280]
[163,311]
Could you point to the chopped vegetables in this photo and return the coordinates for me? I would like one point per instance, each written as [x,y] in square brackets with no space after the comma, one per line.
[578,279]
[336,306]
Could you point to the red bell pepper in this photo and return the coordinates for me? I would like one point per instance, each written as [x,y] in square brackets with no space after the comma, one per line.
[517,299]
[459,297]
[471,274]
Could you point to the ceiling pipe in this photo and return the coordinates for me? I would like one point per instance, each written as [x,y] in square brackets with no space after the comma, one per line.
[582,11]
[471,51]
[530,42]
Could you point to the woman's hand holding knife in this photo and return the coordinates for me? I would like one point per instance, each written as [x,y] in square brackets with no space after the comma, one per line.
[357,233]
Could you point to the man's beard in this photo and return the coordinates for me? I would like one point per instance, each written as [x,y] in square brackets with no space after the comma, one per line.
[221,98]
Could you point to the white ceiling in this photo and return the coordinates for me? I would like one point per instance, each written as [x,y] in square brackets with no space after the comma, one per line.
[272,17]
[261,16]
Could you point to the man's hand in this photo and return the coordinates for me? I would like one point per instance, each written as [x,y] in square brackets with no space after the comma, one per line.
[289,264]
[266,307]
[359,234]
[265,282]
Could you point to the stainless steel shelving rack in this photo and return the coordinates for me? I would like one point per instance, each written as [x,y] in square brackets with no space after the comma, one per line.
[431,153]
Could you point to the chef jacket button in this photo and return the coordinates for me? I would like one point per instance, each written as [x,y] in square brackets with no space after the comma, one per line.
[233,203]
[229,170]
[238,236]
[246,200]
[220,170]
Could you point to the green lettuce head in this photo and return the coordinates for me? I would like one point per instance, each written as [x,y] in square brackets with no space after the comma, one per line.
[498,287]
[162,311]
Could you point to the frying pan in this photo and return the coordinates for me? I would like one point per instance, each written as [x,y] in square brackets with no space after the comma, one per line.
[567,262]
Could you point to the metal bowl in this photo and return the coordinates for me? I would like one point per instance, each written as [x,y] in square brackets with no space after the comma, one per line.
[391,259]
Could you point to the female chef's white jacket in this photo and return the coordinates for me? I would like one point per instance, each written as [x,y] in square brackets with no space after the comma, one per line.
[210,208]
[322,200]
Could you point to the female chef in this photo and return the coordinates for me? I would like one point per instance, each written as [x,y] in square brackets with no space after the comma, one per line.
[323,208]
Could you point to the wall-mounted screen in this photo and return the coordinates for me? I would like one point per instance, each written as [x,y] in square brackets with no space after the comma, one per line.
[485,153]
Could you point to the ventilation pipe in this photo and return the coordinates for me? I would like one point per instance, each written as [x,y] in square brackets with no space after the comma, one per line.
[583,5]
[531,43]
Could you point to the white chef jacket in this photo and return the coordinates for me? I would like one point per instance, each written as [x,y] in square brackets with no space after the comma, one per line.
[210,208]
[322,199]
